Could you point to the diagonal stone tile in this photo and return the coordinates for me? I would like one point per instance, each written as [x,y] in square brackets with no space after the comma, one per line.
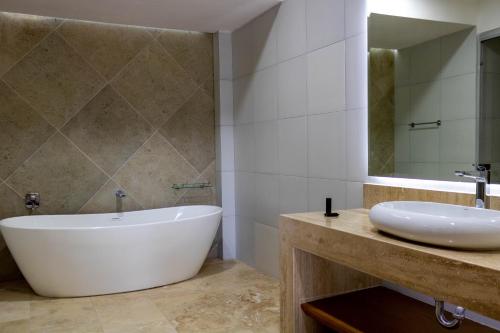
[23,131]
[11,205]
[65,178]
[150,173]
[19,33]
[155,84]
[108,130]
[107,47]
[191,130]
[192,50]
[55,80]
[104,201]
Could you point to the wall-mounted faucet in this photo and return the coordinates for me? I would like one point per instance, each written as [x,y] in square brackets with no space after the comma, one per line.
[482,177]
[32,201]
[120,194]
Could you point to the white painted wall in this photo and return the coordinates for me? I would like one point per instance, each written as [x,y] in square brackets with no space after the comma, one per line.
[485,14]
[489,15]
[457,11]
[197,15]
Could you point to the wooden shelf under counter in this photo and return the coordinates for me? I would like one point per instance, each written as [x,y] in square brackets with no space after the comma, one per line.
[377,310]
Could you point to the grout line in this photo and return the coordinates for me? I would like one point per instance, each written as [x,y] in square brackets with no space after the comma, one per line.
[132,107]
[104,79]
[84,154]
[34,47]
[182,67]
[93,195]
[31,156]
[13,190]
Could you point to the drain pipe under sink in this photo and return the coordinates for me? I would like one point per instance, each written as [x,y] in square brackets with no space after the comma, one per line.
[458,316]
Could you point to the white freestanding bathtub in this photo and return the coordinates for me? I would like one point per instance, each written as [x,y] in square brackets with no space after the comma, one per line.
[83,255]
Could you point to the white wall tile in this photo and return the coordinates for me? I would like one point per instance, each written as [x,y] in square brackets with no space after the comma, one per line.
[357,72]
[293,194]
[293,146]
[447,171]
[227,148]
[424,170]
[357,145]
[292,29]
[402,143]
[458,100]
[320,189]
[266,94]
[267,249]
[245,194]
[425,64]
[292,87]
[495,140]
[402,67]
[402,169]
[264,38]
[458,141]
[245,244]
[267,199]
[354,195]
[244,52]
[244,145]
[224,99]
[492,57]
[355,17]
[227,189]
[229,237]
[224,58]
[325,22]
[326,79]
[424,145]
[243,92]
[266,147]
[459,53]
[492,100]
[327,145]
[402,106]
[425,102]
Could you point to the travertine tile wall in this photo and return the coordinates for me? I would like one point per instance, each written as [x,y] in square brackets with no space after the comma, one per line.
[300,128]
[87,108]
[381,84]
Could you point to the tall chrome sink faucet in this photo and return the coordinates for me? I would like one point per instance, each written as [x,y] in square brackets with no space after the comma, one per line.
[482,177]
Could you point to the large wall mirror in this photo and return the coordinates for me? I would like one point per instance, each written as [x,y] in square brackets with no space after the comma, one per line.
[434,97]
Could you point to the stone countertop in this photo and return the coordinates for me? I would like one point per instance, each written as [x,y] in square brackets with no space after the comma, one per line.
[467,278]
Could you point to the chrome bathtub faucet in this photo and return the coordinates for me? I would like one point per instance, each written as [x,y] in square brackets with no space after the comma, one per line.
[32,201]
[120,194]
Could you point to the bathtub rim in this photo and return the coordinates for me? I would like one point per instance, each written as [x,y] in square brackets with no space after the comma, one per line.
[7,222]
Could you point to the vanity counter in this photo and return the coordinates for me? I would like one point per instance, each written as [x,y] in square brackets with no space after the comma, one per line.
[322,256]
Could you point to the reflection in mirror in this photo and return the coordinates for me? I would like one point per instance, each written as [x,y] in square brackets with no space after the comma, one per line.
[489,134]
[422,97]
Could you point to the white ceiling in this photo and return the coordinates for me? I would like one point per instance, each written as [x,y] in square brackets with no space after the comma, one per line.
[197,15]
[394,32]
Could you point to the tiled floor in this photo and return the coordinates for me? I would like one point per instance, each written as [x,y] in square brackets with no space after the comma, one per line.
[225,297]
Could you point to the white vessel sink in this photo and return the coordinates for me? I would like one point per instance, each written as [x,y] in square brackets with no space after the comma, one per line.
[439,224]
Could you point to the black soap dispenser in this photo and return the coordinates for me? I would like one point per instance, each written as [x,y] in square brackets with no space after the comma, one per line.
[329,212]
